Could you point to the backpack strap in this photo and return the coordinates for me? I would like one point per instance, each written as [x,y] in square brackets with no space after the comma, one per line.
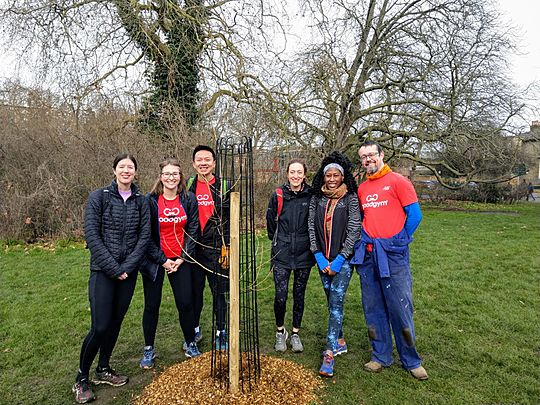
[279,194]
[190,182]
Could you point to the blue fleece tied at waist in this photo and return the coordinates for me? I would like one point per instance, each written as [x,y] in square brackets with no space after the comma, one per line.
[381,247]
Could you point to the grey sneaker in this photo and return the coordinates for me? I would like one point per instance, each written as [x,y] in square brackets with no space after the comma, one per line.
[296,343]
[281,341]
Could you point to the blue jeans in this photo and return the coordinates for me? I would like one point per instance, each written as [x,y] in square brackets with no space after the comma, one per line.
[387,302]
[335,288]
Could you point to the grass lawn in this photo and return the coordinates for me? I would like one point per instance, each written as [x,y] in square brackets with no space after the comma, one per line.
[477,301]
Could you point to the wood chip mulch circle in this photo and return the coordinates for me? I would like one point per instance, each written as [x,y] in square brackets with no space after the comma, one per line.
[190,382]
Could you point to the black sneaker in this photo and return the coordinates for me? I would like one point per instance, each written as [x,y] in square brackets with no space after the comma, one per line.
[109,376]
[83,392]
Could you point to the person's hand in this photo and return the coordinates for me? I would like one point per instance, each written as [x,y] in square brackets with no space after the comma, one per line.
[224,258]
[322,261]
[177,263]
[122,276]
[170,266]
[329,271]
[336,264]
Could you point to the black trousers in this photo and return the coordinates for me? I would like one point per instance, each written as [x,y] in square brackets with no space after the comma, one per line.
[208,259]
[109,302]
[180,281]
[281,283]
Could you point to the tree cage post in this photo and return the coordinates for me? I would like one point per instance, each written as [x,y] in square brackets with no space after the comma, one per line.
[234,280]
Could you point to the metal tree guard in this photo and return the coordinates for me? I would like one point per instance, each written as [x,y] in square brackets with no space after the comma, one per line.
[238,367]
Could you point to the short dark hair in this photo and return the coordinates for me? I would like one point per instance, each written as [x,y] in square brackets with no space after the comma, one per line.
[372,143]
[198,148]
[123,156]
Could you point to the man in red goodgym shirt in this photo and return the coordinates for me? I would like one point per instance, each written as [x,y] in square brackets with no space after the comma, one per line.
[390,214]
[212,245]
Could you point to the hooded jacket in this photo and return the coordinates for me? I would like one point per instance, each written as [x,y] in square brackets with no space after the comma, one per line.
[289,234]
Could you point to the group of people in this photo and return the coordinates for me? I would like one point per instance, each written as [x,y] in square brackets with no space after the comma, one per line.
[181,228]
[341,226]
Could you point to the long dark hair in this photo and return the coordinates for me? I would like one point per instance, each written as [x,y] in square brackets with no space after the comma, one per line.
[343,161]
[158,185]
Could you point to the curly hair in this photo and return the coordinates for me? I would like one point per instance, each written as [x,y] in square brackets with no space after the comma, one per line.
[343,161]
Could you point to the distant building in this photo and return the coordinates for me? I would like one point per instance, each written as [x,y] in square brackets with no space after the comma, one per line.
[530,148]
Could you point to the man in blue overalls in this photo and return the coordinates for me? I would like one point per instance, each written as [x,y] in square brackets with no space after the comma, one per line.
[391,214]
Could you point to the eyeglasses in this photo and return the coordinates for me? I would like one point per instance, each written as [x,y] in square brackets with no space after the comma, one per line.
[173,174]
[368,156]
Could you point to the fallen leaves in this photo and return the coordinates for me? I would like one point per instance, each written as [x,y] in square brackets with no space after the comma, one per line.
[281,382]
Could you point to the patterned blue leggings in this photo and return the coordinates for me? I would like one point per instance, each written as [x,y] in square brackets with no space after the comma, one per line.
[335,288]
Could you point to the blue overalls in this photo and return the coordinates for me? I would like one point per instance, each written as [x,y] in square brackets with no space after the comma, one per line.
[386,281]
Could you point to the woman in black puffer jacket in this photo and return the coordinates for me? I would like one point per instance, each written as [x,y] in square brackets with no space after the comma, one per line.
[287,226]
[117,232]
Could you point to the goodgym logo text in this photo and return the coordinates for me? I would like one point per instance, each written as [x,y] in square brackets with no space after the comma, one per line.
[372,202]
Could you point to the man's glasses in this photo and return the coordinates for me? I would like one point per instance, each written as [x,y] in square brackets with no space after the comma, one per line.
[368,156]
[173,174]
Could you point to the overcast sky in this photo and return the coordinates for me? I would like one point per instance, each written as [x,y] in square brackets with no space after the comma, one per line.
[525,14]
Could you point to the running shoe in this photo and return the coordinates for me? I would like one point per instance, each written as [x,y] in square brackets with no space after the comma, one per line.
[296,343]
[83,392]
[110,377]
[281,341]
[192,350]
[148,357]
[222,343]
[341,349]
[327,366]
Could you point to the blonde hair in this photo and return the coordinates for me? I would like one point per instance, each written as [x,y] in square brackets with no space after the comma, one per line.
[158,185]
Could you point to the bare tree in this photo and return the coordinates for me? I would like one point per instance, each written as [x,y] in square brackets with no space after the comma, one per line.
[179,56]
[421,76]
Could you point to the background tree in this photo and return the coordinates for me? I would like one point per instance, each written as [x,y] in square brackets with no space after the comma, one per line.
[422,77]
[177,57]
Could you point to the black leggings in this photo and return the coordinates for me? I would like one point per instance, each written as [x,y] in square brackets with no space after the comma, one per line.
[218,285]
[109,302]
[180,282]
[281,282]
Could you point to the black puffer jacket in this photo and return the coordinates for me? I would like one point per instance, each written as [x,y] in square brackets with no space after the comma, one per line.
[290,241]
[155,255]
[116,232]
[346,225]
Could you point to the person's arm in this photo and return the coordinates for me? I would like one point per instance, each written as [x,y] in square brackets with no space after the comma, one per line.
[143,238]
[414,216]
[271,213]
[311,225]
[354,225]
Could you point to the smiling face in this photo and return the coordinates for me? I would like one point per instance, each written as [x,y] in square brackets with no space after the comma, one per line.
[296,176]
[170,177]
[333,179]
[204,163]
[372,159]
[125,173]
